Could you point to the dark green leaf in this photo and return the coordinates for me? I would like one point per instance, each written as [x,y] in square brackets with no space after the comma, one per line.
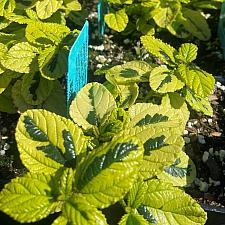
[153,144]
[152,119]
[70,154]
[52,152]
[146,214]
[34,132]
[178,171]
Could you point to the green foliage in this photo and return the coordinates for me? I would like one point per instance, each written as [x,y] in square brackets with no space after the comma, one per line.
[176,79]
[79,170]
[35,44]
[180,17]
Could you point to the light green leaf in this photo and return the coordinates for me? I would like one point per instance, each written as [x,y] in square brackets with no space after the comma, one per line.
[107,174]
[187,52]
[29,198]
[73,5]
[163,80]
[19,57]
[201,82]
[53,62]
[7,6]
[133,219]
[117,21]
[161,147]
[45,140]
[166,13]
[176,102]
[121,1]
[92,104]
[198,103]
[3,50]
[131,72]
[137,194]
[18,18]
[169,117]
[46,33]
[170,205]
[196,24]
[181,173]
[128,94]
[45,8]
[35,89]
[61,220]
[77,210]
[159,49]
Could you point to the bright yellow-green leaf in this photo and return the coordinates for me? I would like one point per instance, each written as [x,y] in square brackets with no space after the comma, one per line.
[46,141]
[170,205]
[161,146]
[133,219]
[7,6]
[168,116]
[19,57]
[166,13]
[198,103]
[163,80]
[131,72]
[187,52]
[73,5]
[201,82]
[181,173]
[45,8]
[92,104]
[46,33]
[77,210]
[108,172]
[159,49]
[117,21]
[29,198]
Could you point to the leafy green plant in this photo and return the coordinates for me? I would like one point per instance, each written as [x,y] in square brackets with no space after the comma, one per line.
[34,49]
[177,77]
[104,156]
[182,18]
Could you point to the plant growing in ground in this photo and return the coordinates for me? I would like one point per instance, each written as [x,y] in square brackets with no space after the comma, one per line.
[108,155]
[34,43]
[177,77]
[182,18]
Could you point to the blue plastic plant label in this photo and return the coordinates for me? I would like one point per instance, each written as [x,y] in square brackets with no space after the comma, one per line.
[221,28]
[102,10]
[78,64]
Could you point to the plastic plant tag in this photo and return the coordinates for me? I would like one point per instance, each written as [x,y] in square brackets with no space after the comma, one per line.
[221,28]
[78,64]
[102,10]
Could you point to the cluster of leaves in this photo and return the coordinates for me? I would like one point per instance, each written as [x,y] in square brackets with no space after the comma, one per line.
[182,18]
[104,156]
[34,43]
[177,77]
